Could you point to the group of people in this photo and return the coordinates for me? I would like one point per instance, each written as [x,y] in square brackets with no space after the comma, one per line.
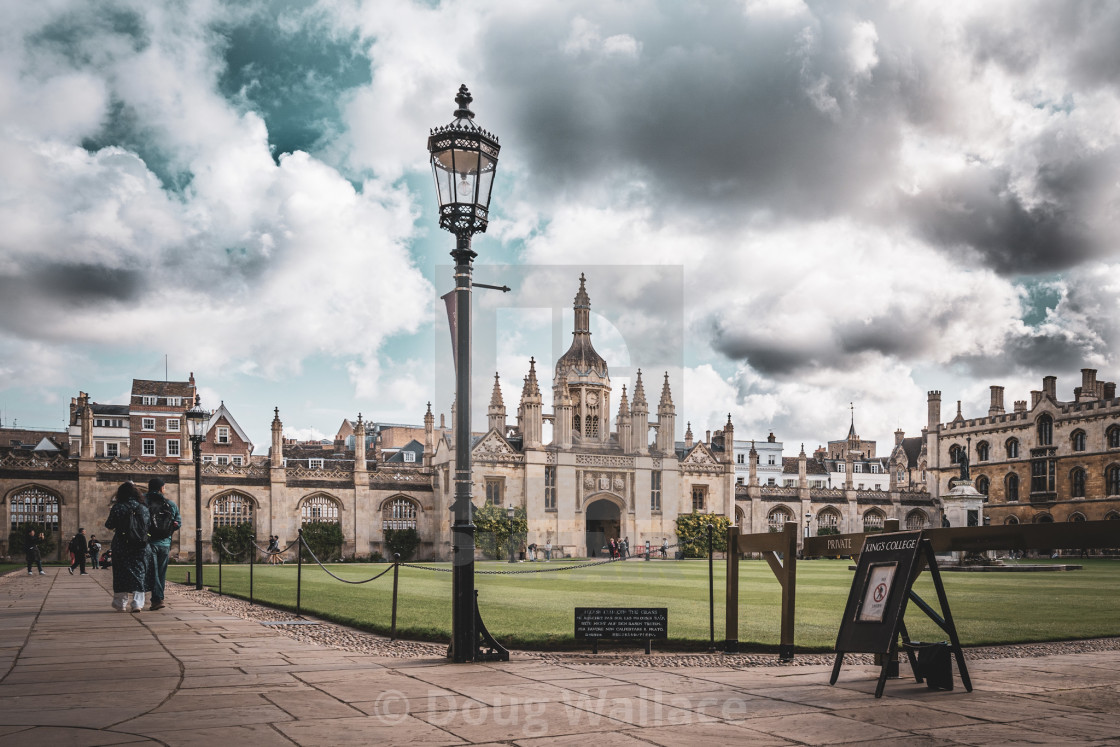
[142,526]
[275,556]
[619,548]
[79,548]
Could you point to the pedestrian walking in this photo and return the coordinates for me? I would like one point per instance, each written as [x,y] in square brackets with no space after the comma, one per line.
[165,521]
[94,551]
[131,555]
[31,549]
[78,549]
[664,548]
[273,550]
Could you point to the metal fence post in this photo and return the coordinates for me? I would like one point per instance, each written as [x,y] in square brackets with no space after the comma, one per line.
[299,570]
[711,591]
[396,568]
[252,559]
[220,546]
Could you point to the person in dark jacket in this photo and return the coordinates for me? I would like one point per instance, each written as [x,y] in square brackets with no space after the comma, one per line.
[31,549]
[78,549]
[94,551]
[130,559]
[161,548]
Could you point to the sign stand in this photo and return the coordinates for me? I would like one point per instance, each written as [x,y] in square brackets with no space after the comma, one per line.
[873,618]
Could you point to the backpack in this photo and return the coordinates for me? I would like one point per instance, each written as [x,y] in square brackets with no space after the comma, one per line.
[134,528]
[163,523]
[73,545]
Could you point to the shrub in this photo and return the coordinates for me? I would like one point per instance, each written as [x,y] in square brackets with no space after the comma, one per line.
[402,542]
[324,539]
[238,541]
[692,533]
[493,534]
[825,531]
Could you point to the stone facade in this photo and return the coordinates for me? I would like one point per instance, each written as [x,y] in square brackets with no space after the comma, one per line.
[591,482]
[1056,460]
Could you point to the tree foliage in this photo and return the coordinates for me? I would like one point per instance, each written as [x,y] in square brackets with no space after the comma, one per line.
[692,533]
[325,540]
[238,541]
[402,542]
[493,534]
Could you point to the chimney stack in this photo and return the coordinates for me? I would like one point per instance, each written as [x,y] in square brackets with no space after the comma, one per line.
[1021,405]
[1050,387]
[996,407]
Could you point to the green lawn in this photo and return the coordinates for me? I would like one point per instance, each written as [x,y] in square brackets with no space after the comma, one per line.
[534,610]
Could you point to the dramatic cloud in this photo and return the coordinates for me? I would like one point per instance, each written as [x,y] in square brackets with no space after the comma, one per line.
[854,196]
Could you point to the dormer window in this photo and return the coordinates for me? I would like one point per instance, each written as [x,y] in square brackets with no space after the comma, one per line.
[148,399]
[223,435]
[174,401]
[409,456]
[315,463]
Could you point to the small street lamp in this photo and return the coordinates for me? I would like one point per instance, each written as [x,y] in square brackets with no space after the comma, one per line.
[197,419]
[464,160]
[509,515]
[808,518]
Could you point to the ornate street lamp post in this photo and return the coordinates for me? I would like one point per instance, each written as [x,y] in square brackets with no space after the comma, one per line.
[509,515]
[197,420]
[464,158]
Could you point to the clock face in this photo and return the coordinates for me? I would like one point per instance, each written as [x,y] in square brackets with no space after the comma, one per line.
[592,398]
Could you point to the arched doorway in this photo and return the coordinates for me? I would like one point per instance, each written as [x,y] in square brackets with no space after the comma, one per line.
[604,521]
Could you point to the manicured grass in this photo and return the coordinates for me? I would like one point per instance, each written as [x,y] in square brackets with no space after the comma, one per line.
[536,610]
[5,567]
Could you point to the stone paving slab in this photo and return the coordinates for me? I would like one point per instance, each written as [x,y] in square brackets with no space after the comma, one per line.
[75,672]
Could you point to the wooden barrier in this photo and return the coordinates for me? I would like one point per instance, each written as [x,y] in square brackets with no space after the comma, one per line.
[1078,535]
[770,544]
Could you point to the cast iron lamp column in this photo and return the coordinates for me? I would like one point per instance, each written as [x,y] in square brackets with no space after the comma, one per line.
[464,158]
[197,420]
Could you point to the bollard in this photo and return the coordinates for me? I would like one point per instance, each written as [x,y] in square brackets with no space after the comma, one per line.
[396,568]
[299,570]
[188,578]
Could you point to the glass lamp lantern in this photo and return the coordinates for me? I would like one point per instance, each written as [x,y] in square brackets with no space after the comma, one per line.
[464,159]
[197,419]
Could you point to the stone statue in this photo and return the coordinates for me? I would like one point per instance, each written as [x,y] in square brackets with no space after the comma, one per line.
[963,461]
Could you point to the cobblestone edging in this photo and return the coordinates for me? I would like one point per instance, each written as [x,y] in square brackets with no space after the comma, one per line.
[348,639]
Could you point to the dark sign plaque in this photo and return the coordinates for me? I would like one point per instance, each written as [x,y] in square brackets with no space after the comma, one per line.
[879,593]
[622,622]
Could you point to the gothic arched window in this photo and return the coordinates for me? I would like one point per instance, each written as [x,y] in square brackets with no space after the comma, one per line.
[982,451]
[873,520]
[1077,483]
[983,485]
[1011,487]
[34,505]
[319,509]
[1045,430]
[916,519]
[1112,480]
[777,519]
[233,509]
[1012,448]
[1077,440]
[399,513]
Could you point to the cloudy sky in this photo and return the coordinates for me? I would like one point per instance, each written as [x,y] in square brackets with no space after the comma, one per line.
[789,206]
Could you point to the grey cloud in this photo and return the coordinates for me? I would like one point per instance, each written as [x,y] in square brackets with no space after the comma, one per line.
[49,292]
[732,119]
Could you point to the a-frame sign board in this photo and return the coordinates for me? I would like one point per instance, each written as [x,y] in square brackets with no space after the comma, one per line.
[883,584]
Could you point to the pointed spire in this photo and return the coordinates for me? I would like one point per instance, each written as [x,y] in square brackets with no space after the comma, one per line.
[666,395]
[639,391]
[688,435]
[496,395]
[852,428]
[623,404]
[532,388]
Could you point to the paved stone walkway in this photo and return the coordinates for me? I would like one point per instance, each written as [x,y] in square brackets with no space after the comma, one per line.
[75,672]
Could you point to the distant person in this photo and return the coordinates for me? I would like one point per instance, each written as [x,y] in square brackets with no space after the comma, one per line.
[131,555]
[548,550]
[78,549]
[107,559]
[625,548]
[165,521]
[664,548]
[94,551]
[31,549]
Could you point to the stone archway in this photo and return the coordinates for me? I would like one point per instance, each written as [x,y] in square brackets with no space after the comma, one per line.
[604,522]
